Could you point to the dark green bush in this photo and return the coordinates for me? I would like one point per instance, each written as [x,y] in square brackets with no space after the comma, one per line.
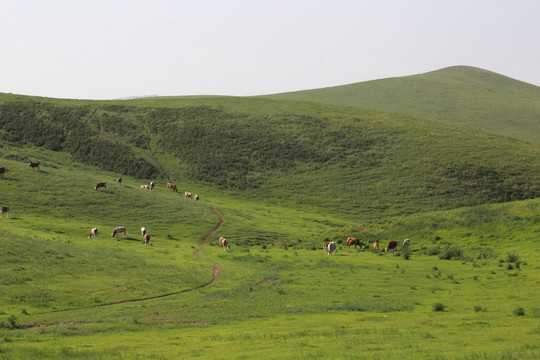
[451,252]
[438,307]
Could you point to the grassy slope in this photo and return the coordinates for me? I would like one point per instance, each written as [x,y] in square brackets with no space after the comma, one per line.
[459,95]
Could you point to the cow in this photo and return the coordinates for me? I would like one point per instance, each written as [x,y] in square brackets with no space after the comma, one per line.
[119,229]
[196,197]
[325,245]
[152,185]
[331,248]
[187,194]
[146,239]
[145,187]
[2,171]
[4,210]
[392,245]
[376,245]
[172,187]
[93,233]
[34,165]
[353,241]
[119,180]
[143,231]
[222,242]
[101,184]
[406,243]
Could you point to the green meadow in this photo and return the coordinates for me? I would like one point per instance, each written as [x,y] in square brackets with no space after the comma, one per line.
[277,178]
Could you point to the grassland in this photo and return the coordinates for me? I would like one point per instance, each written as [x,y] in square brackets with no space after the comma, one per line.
[461,95]
[284,176]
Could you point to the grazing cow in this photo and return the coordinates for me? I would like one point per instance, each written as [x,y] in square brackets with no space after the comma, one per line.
[392,245]
[4,210]
[101,184]
[406,243]
[331,248]
[145,187]
[172,187]
[325,245]
[119,229]
[93,233]
[187,194]
[223,242]
[353,241]
[376,245]
[2,171]
[143,231]
[196,197]
[34,165]
[146,239]
[119,180]
[152,185]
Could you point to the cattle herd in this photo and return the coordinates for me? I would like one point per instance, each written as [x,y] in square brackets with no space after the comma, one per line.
[329,246]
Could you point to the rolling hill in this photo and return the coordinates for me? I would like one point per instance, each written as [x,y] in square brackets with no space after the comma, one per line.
[461,95]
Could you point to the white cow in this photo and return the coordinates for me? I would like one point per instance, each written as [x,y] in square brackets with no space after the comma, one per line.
[119,229]
[331,248]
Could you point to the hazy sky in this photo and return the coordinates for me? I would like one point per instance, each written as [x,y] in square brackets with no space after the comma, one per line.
[107,49]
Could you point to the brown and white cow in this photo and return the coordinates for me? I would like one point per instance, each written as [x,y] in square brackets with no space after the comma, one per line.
[101,184]
[152,185]
[187,194]
[34,165]
[146,239]
[331,248]
[93,233]
[222,242]
[406,243]
[353,241]
[325,245]
[119,229]
[172,187]
[196,197]
[392,245]
[376,245]
[2,171]
[4,210]
[145,187]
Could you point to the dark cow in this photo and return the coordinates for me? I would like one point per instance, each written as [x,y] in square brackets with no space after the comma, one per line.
[101,184]
[2,171]
[392,245]
[34,165]
[119,180]
[222,242]
[93,233]
[353,241]
[152,185]
[119,229]
[331,248]
[4,210]
[146,239]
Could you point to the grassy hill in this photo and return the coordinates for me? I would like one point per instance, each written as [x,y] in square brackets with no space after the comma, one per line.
[459,95]
[355,162]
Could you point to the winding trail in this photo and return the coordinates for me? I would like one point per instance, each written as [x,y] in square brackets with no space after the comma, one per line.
[215,279]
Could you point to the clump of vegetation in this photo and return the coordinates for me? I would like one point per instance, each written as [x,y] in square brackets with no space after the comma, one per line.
[437,307]
[519,311]
[451,253]
[478,308]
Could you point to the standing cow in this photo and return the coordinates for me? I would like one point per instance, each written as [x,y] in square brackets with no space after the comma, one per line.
[101,184]
[222,242]
[2,171]
[143,231]
[353,241]
[34,165]
[392,245]
[376,245]
[4,211]
[406,243]
[146,239]
[93,233]
[119,229]
[331,248]
[152,185]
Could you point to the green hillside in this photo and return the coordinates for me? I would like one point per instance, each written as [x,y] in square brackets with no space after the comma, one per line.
[459,95]
[351,161]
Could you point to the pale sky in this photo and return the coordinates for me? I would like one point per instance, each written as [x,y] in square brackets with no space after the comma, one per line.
[108,49]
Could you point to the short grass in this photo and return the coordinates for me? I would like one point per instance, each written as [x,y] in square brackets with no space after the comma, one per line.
[62,293]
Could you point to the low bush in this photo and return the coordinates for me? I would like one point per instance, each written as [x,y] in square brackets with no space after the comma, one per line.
[438,307]
[451,252]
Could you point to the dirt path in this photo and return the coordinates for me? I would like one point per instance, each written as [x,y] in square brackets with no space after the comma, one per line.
[215,279]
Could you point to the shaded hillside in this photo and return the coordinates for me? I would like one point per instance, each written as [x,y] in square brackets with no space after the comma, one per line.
[459,95]
[346,160]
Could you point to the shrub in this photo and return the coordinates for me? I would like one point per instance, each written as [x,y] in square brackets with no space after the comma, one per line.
[451,252]
[519,311]
[438,307]
[512,257]
[478,308]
